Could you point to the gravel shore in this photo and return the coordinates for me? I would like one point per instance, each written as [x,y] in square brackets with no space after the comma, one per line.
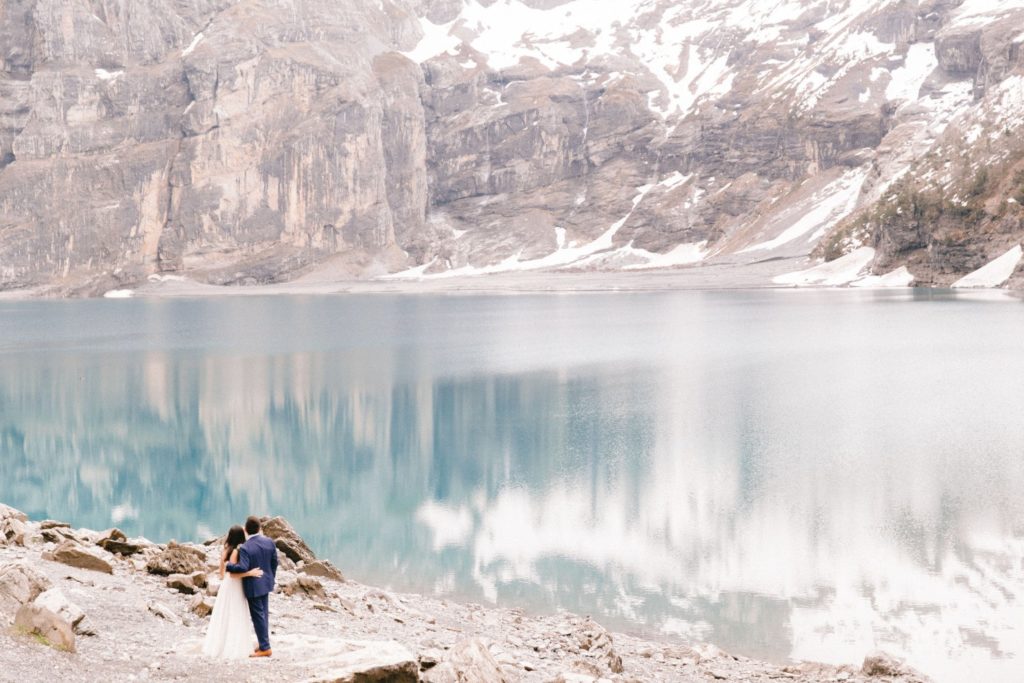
[142,625]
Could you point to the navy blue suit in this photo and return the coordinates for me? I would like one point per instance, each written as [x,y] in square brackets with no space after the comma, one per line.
[257,551]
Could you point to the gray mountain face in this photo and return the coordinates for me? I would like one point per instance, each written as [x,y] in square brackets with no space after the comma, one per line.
[255,141]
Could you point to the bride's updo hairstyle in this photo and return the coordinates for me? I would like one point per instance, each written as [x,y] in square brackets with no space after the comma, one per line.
[236,537]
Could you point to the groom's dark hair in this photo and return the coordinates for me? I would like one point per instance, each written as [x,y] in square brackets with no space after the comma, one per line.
[252,525]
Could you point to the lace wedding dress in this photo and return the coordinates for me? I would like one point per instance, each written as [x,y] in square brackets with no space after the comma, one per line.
[230,634]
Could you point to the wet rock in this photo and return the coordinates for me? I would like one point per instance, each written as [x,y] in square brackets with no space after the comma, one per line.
[177,559]
[287,539]
[58,603]
[322,568]
[468,660]
[37,620]
[369,662]
[19,584]
[75,555]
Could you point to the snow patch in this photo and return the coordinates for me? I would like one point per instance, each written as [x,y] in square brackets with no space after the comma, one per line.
[901,277]
[193,45]
[105,75]
[828,206]
[682,255]
[436,40]
[119,294]
[907,80]
[841,271]
[993,274]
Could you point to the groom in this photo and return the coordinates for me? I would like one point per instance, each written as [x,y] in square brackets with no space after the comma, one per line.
[257,551]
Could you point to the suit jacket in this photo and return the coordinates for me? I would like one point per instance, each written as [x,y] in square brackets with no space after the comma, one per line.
[257,551]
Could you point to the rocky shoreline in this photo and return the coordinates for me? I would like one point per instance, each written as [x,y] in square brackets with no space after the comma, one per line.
[82,605]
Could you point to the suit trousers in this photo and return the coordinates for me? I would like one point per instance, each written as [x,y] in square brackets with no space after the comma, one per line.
[259,611]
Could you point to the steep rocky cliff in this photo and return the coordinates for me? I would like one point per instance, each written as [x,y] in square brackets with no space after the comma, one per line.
[254,141]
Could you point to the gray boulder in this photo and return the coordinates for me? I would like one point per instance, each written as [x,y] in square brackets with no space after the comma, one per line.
[468,660]
[58,603]
[369,662]
[52,628]
[19,584]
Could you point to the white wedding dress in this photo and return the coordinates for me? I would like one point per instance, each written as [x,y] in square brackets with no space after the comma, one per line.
[230,634]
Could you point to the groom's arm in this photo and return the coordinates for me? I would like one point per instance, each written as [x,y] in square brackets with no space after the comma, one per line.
[243,564]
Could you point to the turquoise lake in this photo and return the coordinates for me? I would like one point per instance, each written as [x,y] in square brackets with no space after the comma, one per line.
[786,474]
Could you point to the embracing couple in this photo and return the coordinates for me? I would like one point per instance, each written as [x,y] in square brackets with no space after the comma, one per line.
[247,569]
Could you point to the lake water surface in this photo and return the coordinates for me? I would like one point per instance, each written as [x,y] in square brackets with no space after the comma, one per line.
[787,474]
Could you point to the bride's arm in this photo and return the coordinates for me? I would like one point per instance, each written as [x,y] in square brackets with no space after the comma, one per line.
[234,560]
[223,561]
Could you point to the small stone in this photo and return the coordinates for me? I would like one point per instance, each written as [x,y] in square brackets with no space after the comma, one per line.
[37,620]
[164,612]
[202,606]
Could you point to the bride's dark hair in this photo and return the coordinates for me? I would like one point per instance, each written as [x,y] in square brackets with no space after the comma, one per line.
[236,537]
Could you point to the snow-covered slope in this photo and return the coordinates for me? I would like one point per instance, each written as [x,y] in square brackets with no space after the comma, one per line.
[781,118]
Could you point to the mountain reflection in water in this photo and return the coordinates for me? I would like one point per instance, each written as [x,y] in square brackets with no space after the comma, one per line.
[810,475]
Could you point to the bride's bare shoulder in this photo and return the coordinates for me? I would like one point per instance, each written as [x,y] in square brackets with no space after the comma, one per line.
[234,556]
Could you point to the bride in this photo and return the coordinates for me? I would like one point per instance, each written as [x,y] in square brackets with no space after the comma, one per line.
[230,634]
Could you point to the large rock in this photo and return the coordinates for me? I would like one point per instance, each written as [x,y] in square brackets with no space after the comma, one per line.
[468,660]
[287,539]
[19,585]
[177,559]
[183,583]
[58,603]
[322,568]
[7,512]
[302,584]
[368,662]
[12,531]
[37,620]
[74,555]
[882,665]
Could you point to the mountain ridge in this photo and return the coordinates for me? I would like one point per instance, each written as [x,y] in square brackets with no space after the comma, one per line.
[258,141]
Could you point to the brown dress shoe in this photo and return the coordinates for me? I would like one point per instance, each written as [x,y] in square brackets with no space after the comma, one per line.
[262,653]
